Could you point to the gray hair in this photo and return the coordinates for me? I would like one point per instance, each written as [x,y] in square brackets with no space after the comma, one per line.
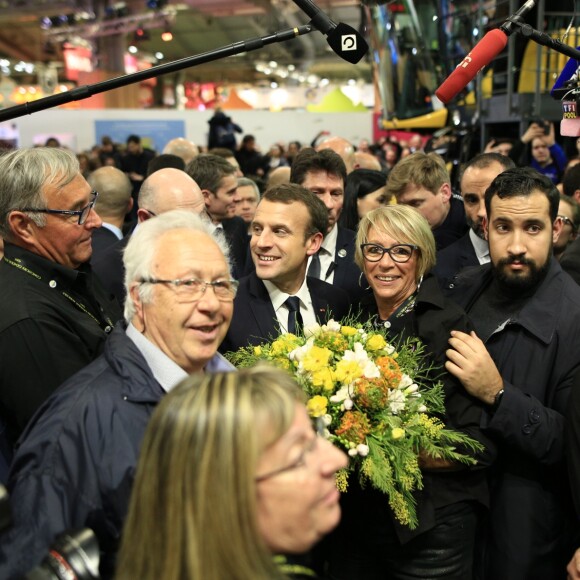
[140,251]
[246,181]
[25,174]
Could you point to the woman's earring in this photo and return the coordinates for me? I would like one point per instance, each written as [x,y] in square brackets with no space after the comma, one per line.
[360,284]
[419,283]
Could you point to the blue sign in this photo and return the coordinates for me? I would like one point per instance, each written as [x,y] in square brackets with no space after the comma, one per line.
[154,134]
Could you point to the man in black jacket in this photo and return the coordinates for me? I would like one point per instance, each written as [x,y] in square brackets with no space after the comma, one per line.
[521,364]
[54,314]
[324,174]
[422,181]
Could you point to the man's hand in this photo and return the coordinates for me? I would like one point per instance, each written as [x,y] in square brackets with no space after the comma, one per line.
[469,361]
[429,463]
[573,567]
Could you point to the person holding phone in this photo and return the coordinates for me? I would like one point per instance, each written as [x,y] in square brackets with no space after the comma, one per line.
[539,150]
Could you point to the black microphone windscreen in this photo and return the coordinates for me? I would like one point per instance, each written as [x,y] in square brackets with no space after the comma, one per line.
[347,43]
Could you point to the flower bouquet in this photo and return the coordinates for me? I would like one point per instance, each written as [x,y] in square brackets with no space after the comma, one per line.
[379,403]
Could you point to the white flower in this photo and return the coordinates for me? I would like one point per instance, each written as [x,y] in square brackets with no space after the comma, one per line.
[345,392]
[396,401]
[312,330]
[326,419]
[406,381]
[369,369]
[411,389]
[332,325]
[348,404]
[300,352]
[390,349]
[363,450]
[422,409]
[353,452]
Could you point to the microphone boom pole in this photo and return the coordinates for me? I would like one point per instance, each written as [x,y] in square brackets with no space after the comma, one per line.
[80,93]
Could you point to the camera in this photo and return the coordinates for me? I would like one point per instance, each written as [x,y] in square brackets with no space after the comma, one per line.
[544,124]
[73,555]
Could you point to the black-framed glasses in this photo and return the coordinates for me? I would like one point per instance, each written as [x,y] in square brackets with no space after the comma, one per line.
[192,289]
[82,213]
[567,221]
[400,253]
[319,428]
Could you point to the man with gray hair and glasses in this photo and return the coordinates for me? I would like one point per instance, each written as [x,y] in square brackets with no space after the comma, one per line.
[54,315]
[76,462]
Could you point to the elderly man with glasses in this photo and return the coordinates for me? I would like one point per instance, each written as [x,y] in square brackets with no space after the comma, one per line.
[75,465]
[54,315]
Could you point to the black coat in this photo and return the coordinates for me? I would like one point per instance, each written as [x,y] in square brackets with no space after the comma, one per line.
[108,267]
[254,320]
[347,274]
[77,459]
[538,356]
[570,261]
[45,335]
[102,238]
[452,259]
[453,227]
[236,233]
[368,534]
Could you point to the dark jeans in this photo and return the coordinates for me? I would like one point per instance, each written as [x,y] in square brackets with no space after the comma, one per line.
[444,551]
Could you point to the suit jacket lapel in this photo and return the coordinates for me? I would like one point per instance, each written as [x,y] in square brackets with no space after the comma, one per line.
[318,303]
[262,309]
[341,255]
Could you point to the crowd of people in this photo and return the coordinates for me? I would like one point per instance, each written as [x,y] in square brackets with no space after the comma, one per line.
[129,276]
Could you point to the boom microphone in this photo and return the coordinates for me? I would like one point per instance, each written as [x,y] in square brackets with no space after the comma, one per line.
[344,40]
[480,56]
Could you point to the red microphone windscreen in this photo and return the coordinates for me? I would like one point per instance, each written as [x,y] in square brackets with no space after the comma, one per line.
[481,55]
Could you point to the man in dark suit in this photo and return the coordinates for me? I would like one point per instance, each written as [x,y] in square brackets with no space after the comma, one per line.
[162,191]
[278,297]
[471,249]
[219,185]
[324,174]
[422,181]
[115,202]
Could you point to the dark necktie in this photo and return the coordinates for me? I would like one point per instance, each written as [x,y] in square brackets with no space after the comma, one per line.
[294,317]
[314,268]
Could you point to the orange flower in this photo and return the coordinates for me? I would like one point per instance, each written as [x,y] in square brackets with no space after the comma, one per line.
[354,426]
[390,370]
[372,393]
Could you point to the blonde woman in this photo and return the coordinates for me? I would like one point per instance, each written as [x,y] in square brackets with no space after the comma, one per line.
[395,250]
[231,473]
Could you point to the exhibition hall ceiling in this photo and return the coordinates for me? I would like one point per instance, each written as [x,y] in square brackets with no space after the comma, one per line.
[34,31]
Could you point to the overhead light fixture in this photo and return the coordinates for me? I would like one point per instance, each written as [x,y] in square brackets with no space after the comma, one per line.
[167,35]
[140,34]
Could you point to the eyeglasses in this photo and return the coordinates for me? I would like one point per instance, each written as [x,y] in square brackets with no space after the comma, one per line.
[400,253]
[193,289]
[567,221]
[319,427]
[82,213]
